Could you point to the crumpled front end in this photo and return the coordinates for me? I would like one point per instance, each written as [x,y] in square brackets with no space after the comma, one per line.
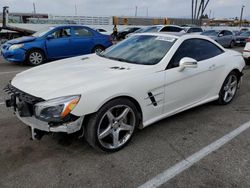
[23,105]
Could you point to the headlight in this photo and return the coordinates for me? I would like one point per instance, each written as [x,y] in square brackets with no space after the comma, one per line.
[16,46]
[56,109]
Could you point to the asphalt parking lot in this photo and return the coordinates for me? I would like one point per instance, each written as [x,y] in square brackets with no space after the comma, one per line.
[65,161]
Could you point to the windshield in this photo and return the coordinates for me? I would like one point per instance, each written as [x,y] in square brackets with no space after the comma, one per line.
[42,32]
[148,29]
[210,33]
[126,29]
[140,49]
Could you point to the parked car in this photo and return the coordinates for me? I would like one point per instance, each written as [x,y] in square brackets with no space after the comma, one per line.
[242,38]
[236,32]
[225,38]
[193,29]
[103,31]
[158,28]
[55,43]
[121,34]
[246,52]
[244,29]
[133,84]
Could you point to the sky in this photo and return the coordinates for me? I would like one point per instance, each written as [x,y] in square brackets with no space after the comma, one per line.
[155,8]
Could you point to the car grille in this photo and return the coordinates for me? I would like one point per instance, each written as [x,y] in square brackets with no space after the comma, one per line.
[22,96]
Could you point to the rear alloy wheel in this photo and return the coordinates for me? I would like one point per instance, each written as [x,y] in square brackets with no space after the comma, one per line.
[229,89]
[112,127]
[35,57]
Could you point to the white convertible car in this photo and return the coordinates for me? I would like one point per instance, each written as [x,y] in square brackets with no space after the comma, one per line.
[133,84]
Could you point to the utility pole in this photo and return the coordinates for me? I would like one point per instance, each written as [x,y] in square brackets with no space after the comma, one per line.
[136,11]
[241,15]
[34,10]
[192,9]
[75,9]
[195,9]
[147,11]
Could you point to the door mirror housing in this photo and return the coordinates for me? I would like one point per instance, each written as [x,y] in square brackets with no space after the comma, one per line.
[220,35]
[49,37]
[187,62]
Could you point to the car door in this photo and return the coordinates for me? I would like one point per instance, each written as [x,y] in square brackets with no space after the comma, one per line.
[222,39]
[228,37]
[82,41]
[58,43]
[192,85]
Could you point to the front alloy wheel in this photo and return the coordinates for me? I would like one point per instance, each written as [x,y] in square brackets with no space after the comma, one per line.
[116,127]
[112,127]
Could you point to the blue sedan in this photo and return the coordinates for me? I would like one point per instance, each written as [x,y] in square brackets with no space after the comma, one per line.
[55,43]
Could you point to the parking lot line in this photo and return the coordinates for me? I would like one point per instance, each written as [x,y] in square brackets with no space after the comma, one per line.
[178,168]
[3,73]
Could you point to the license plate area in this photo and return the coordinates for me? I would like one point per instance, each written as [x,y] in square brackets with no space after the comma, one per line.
[23,108]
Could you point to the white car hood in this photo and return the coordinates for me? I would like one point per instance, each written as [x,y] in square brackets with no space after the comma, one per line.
[73,76]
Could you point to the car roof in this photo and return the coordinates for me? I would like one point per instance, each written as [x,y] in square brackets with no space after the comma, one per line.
[175,35]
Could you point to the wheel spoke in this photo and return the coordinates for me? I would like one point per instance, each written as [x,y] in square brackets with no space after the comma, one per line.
[111,117]
[115,139]
[229,81]
[123,114]
[105,133]
[225,96]
[233,84]
[126,127]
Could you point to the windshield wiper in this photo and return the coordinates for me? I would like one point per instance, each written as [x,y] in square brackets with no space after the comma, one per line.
[117,59]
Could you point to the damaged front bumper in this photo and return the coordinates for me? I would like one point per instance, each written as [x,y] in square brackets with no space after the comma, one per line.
[38,125]
[23,107]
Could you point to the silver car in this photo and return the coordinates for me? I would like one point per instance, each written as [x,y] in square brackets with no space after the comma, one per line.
[225,38]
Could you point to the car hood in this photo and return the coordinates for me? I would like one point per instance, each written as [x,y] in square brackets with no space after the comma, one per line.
[21,40]
[74,76]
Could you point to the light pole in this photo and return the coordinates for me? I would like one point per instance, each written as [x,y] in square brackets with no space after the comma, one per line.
[241,14]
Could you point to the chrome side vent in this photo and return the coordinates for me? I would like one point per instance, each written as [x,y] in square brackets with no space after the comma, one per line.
[85,58]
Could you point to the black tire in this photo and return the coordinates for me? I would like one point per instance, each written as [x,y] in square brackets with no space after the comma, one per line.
[35,57]
[247,61]
[98,49]
[222,100]
[95,121]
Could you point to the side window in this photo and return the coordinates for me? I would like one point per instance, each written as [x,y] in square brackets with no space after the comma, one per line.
[62,33]
[222,33]
[197,30]
[165,29]
[171,29]
[82,32]
[177,29]
[198,49]
[226,33]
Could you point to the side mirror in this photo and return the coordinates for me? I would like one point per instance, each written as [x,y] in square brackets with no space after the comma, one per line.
[221,35]
[187,62]
[49,37]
